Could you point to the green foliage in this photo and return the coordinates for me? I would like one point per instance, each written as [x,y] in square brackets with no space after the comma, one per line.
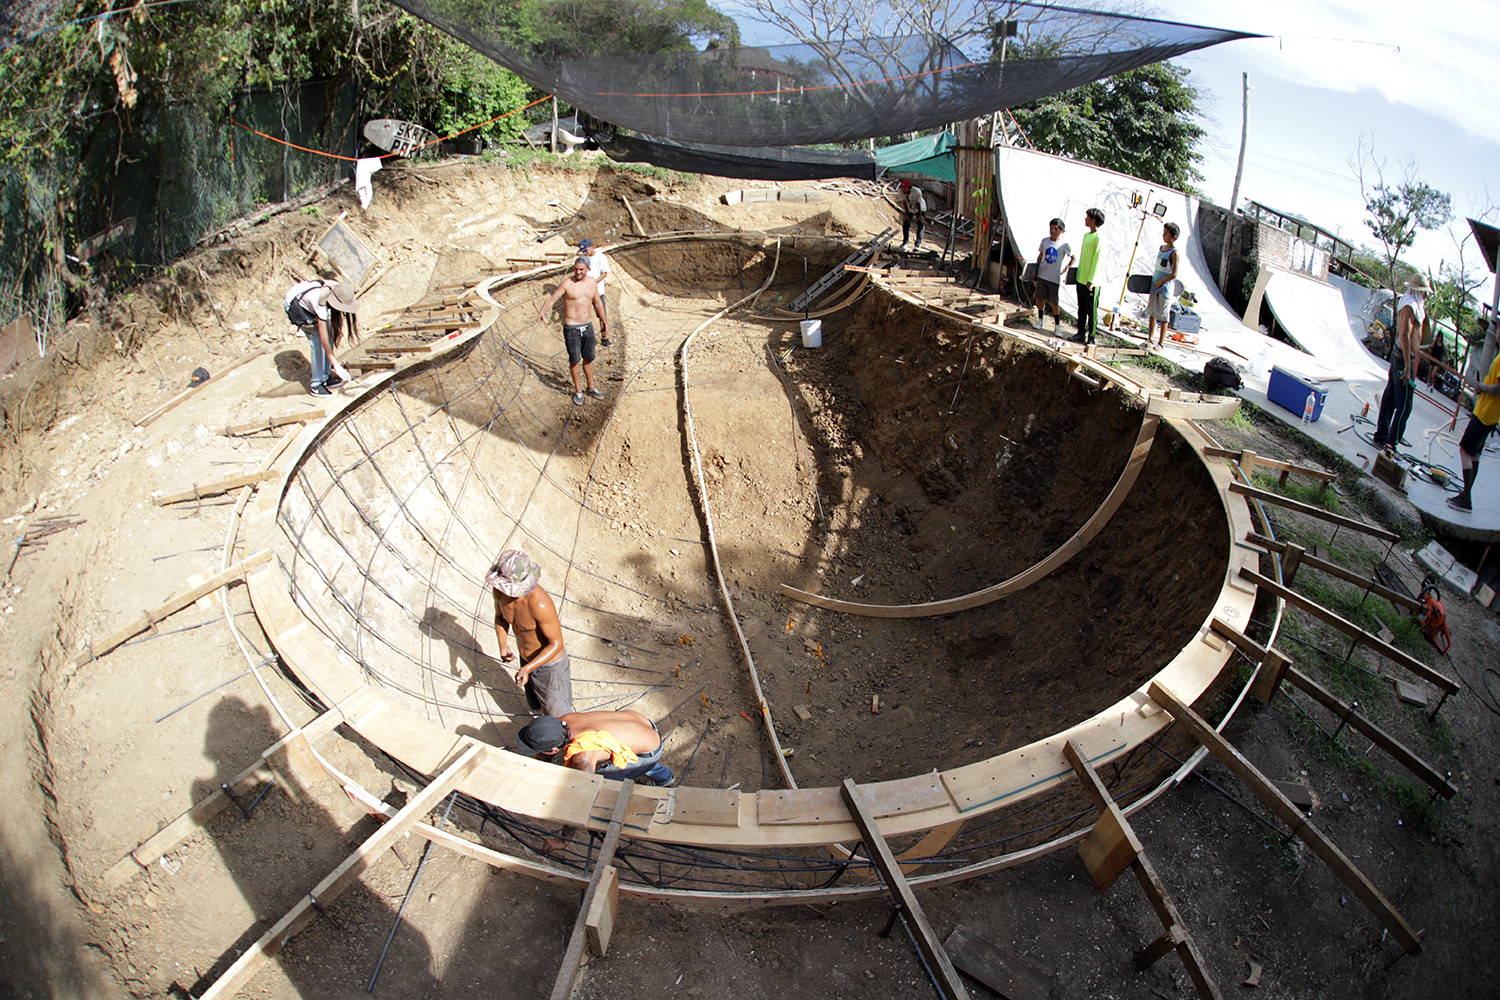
[1397,210]
[1141,122]
[574,29]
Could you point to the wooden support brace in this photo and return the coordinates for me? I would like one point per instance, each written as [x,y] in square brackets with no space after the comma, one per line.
[1435,778]
[1272,665]
[567,975]
[640,230]
[604,908]
[1289,814]
[1176,937]
[326,891]
[1249,460]
[215,488]
[187,394]
[1333,570]
[946,976]
[1444,683]
[149,619]
[1266,496]
[370,364]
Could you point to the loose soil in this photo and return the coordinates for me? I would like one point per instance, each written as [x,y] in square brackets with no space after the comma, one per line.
[924,461]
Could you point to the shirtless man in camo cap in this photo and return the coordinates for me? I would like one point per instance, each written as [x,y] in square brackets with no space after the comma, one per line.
[524,609]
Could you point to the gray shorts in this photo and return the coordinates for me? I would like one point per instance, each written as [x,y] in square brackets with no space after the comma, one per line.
[549,688]
[1159,306]
[1046,291]
[580,342]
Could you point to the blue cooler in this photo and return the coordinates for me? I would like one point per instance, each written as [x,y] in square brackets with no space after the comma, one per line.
[1290,391]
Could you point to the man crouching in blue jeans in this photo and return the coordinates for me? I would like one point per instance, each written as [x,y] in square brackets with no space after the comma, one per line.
[615,745]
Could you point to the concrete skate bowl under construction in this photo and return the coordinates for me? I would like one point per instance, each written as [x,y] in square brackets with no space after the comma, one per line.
[924,555]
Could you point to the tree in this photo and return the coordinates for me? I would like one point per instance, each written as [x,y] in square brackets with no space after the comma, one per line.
[1397,209]
[581,29]
[1141,122]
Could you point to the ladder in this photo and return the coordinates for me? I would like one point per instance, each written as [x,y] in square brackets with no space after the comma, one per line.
[857,258]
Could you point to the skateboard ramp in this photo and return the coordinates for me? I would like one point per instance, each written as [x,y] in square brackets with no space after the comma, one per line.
[1314,316]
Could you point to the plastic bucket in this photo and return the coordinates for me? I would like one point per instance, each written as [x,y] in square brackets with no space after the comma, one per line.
[812,333]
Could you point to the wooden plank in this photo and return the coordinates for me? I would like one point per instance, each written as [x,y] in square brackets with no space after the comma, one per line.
[273,422]
[217,487]
[1354,524]
[605,906]
[171,606]
[567,975]
[1435,778]
[640,230]
[1026,577]
[945,977]
[334,884]
[800,806]
[1008,975]
[186,394]
[640,810]
[1289,814]
[1193,406]
[1110,847]
[905,795]
[1333,570]
[709,806]
[1353,631]
[1271,463]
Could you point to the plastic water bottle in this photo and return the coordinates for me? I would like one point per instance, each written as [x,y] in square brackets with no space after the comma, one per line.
[1307,411]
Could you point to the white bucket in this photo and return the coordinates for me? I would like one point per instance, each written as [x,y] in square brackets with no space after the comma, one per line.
[812,333]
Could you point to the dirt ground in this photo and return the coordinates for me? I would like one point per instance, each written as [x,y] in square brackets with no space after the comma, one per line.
[97,758]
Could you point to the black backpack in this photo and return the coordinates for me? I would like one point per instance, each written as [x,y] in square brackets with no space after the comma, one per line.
[1220,374]
[296,310]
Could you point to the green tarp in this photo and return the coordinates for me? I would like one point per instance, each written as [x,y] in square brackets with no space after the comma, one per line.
[931,155]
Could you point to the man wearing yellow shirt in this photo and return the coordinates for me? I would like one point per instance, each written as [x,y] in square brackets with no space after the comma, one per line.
[616,745]
[1471,445]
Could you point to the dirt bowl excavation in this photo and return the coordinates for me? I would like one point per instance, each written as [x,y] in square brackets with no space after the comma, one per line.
[907,587]
[901,467]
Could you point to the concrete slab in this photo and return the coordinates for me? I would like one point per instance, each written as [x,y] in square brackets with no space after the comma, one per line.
[1440,563]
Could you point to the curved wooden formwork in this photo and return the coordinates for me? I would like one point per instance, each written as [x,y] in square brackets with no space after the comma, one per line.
[767,819]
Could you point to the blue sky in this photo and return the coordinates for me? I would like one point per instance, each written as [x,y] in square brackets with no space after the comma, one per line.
[1419,80]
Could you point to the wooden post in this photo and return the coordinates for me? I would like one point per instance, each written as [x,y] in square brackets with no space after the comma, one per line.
[567,975]
[943,973]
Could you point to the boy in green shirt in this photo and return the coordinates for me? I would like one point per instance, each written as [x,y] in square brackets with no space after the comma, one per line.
[1088,270]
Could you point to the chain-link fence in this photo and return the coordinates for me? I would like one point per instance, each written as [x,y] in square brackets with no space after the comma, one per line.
[159,181]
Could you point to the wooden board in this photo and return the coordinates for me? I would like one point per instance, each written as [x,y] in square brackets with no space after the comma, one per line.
[709,806]
[1276,499]
[1008,975]
[1336,571]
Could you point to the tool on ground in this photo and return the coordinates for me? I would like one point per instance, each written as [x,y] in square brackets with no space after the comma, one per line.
[1435,619]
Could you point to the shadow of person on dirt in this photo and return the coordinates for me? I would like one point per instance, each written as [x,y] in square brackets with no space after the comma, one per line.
[295,372]
[276,848]
[478,671]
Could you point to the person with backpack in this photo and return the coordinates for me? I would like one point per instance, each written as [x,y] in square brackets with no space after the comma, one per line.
[324,311]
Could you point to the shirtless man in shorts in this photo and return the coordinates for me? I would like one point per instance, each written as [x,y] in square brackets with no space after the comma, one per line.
[525,610]
[581,302]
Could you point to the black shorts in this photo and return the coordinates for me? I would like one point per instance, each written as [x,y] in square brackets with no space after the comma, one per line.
[580,341]
[1474,437]
[1046,291]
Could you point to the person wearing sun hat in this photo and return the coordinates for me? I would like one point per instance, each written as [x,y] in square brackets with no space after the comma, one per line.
[524,609]
[324,311]
[1412,328]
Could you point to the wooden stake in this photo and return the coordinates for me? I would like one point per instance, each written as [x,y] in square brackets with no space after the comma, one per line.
[214,489]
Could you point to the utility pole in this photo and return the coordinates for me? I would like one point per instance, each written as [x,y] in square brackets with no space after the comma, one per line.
[1239,171]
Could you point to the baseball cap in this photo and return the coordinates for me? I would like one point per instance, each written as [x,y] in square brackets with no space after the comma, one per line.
[543,735]
[585,244]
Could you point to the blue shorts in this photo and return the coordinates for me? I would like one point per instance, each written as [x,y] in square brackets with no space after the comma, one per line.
[580,341]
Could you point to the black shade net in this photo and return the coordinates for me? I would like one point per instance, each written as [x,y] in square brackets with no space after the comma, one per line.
[769,163]
[819,91]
